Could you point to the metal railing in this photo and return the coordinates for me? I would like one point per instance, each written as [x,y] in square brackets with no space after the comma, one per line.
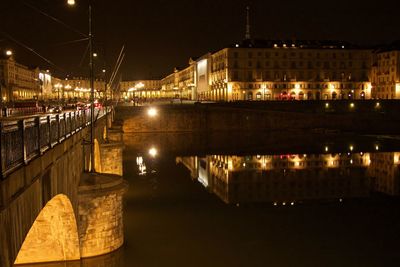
[25,139]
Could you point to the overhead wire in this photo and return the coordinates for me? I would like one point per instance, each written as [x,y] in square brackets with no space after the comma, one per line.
[71,42]
[116,69]
[84,55]
[86,37]
[120,62]
[113,74]
[8,36]
[54,19]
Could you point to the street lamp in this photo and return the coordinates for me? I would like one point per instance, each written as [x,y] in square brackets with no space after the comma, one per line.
[58,87]
[9,53]
[91,55]
[105,102]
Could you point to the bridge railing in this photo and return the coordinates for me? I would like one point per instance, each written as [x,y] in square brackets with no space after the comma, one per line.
[24,139]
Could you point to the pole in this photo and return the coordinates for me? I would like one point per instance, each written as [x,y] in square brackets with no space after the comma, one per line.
[1,100]
[91,91]
[106,104]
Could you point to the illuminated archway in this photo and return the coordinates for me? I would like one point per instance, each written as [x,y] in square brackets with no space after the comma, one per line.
[53,236]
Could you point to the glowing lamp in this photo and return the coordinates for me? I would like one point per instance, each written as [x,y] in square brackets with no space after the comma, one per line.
[152,112]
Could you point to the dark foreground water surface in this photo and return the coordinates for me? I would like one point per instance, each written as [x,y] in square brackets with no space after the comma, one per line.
[278,200]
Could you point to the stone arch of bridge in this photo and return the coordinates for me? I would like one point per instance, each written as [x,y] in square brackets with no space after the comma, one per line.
[53,235]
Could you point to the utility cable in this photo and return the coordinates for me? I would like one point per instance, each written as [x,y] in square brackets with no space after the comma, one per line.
[31,50]
[71,42]
[54,19]
[116,64]
[119,65]
[83,56]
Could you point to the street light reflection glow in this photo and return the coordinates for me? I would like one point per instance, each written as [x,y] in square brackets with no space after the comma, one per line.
[152,112]
[153,152]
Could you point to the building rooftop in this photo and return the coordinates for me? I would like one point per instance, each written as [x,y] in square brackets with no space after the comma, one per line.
[394,46]
[305,44]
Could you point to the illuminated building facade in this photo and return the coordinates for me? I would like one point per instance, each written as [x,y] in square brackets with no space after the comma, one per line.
[386,73]
[290,70]
[275,70]
[78,88]
[283,70]
[181,83]
[169,85]
[46,85]
[140,89]
[18,81]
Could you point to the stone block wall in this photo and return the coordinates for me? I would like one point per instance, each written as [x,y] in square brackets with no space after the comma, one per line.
[53,236]
[111,158]
[100,214]
[238,118]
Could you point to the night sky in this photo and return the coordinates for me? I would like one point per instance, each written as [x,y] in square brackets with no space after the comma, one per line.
[162,34]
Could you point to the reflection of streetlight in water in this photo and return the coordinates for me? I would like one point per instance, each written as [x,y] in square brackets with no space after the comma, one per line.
[152,112]
[153,152]
[153,179]
[141,165]
[147,169]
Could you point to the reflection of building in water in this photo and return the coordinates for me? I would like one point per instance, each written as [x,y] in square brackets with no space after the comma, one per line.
[283,178]
[191,163]
[198,167]
[384,169]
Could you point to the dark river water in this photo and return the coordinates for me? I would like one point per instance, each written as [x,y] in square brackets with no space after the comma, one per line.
[277,200]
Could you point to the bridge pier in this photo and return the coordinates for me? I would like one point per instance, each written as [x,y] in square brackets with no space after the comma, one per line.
[115,134]
[100,200]
[100,213]
[110,158]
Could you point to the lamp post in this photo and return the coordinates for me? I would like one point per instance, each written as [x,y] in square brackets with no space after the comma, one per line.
[9,54]
[91,70]
[105,102]
[58,93]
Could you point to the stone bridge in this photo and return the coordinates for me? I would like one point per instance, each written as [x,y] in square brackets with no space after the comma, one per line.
[51,208]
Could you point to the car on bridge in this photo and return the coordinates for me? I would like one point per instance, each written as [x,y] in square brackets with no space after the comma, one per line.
[55,109]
